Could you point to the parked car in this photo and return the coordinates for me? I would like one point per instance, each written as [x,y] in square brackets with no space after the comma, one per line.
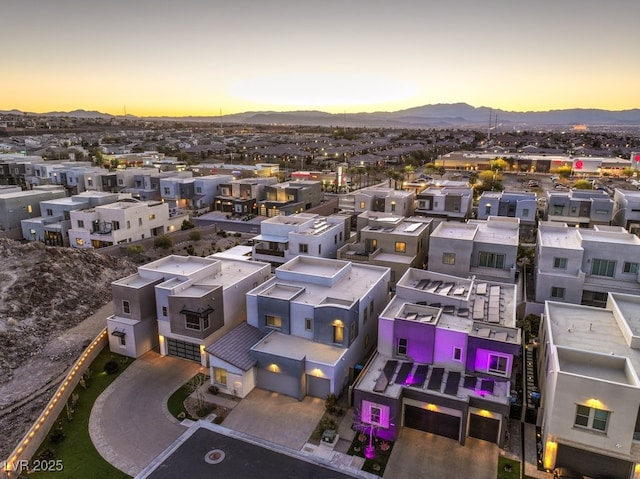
[532,184]
[560,187]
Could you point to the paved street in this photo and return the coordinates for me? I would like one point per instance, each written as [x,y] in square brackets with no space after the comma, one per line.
[130,423]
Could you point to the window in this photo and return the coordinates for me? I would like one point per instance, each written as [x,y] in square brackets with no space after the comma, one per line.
[308,324]
[487,209]
[80,223]
[152,217]
[164,311]
[525,212]
[126,307]
[371,307]
[123,341]
[557,209]
[198,189]
[205,321]
[591,418]
[375,415]
[319,249]
[457,353]
[128,224]
[362,205]
[220,376]
[303,248]
[402,346]
[365,315]
[491,260]
[273,321]
[603,267]
[192,321]
[89,181]
[338,331]
[393,206]
[139,221]
[560,263]
[49,212]
[630,268]
[166,190]
[498,364]
[401,247]
[448,258]
[557,292]
[115,225]
[79,241]
[352,332]
[30,209]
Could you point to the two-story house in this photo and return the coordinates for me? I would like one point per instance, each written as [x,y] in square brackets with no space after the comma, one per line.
[16,206]
[241,197]
[290,197]
[447,203]
[583,208]
[445,360]
[307,329]
[395,242]
[513,204]
[285,237]
[588,371]
[579,265]
[383,200]
[182,304]
[485,248]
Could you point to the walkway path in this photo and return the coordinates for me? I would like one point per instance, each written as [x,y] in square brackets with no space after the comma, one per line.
[130,423]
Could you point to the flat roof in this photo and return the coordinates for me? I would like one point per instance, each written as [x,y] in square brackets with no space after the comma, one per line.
[178,265]
[559,237]
[298,348]
[455,230]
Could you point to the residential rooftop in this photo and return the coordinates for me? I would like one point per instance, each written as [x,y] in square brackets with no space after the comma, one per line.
[298,348]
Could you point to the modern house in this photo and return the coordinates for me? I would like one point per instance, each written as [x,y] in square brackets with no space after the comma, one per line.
[447,203]
[285,237]
[588,371]
[182,303]
[395,242]
[583,208]
[206,189]
[307,328]
[121,222]
[512,204]
[16,206]
[290,197]
[52,228]
[626,212]
[445,361]
[241,197]
[486,249]
[579,265]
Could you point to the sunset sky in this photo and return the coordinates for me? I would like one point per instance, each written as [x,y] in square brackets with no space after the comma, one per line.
[203,57]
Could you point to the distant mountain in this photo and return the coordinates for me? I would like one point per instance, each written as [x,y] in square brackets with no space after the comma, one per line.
[442,115]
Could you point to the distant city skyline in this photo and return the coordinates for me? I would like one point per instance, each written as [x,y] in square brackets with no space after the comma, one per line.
[202,58]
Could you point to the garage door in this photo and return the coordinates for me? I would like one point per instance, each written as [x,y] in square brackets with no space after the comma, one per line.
[431,421]
[592,464]
[318,387]
[280,383]
[184,350]
[484,428]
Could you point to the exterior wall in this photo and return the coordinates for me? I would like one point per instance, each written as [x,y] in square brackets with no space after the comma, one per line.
[282,365]
[211,299]
[478,351]
[444,342]
[462,249]
[420,340]
[15,207]
[140,337]
[142,305]
[239,382]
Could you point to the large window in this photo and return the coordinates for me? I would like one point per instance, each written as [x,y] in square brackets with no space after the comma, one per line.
[560,263]
[557,292]
[630,268]
[491,260]
[401,247]
[448,258]
[303,248]
[603,267]
[338,331]
[498,364]
[273,321]
[192,321]
[402,346]
[220,376]
[592,418]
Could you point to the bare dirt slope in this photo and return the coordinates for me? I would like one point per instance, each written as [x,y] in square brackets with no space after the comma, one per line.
[45,295]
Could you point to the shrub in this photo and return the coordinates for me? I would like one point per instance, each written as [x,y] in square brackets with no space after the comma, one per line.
[222,233]
[326,423]
[195,235]
[190,250]
[111,367]
[163,241]
[47,455]
[57,435]
[213,389]
[187,225]
[330,403]
[204,410]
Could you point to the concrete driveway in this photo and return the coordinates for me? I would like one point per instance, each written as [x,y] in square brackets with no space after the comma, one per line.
[276,418]
[425,455]
[130,424]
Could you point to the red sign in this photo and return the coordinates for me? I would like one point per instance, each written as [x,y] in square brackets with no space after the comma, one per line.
[578,165]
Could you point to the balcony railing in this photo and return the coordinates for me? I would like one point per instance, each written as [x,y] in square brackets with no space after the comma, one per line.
[269,252]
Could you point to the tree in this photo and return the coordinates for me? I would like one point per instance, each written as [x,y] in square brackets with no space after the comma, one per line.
[563,171]
[163,241]
[628,172]
[582,185]
[499,164]
[187,225]
[135,251]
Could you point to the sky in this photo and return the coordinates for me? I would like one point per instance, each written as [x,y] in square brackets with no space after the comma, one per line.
[208,57]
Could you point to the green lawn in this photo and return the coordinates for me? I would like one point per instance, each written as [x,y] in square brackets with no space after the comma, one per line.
[76,451]
[175,404]
[508,468]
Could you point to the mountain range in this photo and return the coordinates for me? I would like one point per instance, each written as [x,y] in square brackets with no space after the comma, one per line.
[442,115]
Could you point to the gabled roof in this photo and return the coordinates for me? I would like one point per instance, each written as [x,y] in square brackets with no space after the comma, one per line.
[234,346]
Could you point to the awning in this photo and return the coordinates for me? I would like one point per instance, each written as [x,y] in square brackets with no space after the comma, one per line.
[118,333]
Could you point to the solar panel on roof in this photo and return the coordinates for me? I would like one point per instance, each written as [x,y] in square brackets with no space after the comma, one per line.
[453,381]
[405,369]
[435,381]
[420,375]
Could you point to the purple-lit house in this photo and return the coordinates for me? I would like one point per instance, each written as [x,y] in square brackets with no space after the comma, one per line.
[444,361]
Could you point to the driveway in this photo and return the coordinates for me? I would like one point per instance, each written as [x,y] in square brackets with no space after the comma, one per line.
[276,418]
[130,424]
[425,455]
